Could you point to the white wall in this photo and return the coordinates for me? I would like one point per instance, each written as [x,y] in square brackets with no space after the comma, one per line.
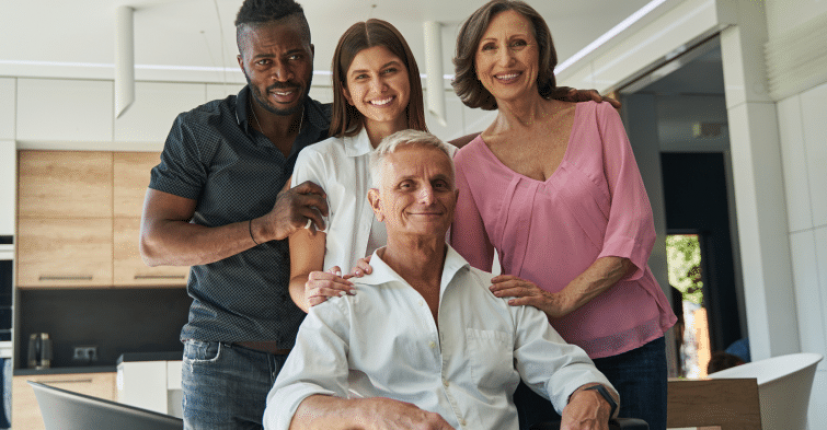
[802,121]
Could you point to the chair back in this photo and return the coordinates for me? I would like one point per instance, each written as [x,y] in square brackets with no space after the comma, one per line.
[65,410]
[784,385]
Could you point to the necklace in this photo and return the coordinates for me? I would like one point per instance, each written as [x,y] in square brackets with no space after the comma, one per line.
[255,117]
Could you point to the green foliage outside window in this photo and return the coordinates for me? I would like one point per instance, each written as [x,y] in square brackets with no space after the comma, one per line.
[683,257]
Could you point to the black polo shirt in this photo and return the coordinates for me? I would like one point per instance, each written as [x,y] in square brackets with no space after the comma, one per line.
[214,156]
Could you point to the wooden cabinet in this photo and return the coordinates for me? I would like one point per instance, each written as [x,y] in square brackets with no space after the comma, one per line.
[65,184]
[129,268]
[25,411]
[57,253]
[131,179]
[79,220]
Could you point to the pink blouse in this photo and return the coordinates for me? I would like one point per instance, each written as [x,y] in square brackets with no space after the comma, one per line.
[594,205]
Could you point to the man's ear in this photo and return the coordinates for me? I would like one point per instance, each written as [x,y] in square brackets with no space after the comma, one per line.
[373,198]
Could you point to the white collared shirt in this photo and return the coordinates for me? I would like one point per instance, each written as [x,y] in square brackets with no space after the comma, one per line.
[341,166]
[383,342]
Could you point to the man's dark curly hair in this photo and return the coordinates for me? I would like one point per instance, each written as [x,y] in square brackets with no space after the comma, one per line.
[257,12]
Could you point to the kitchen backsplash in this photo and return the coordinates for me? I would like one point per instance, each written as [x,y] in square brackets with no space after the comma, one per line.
[113,321]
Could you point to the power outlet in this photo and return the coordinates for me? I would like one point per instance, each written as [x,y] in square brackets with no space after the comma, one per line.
[85,353]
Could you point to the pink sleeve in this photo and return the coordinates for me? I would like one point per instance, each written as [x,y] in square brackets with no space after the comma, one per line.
[468,236]
[630,232]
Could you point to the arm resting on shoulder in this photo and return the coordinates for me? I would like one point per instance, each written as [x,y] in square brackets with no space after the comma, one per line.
[603,274]
[309,286]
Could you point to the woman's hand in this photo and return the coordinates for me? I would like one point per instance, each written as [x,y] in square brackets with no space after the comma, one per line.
[362,268]
[321,285]
[555,305]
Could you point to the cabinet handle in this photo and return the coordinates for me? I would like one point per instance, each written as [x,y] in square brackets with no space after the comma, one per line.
[65,381]
[160,276]
[65,278]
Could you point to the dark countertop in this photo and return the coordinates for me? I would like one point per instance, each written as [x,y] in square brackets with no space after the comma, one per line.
[65,370]
[150,356]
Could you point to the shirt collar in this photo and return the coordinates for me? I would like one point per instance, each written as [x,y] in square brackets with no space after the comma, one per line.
[358,145]
[382,273]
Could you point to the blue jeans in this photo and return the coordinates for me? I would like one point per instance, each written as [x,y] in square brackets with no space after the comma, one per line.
[225,386]
[638,375]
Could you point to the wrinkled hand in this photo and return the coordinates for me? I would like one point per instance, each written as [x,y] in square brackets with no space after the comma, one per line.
[388,414]
[555,305]
[294,206]
[362,268]
[331,283]
[573,95]
[587,410]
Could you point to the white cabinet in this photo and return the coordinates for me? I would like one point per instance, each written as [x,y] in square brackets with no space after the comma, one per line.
[156,105]
[153,385]
[64,110]
[8,179]
[8,95]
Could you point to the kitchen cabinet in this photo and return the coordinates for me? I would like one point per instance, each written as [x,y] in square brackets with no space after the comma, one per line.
[129,268]
[65,184]
[57,253]
[79,220]
[25,411]
[131,179]
[8,173]
[60,110]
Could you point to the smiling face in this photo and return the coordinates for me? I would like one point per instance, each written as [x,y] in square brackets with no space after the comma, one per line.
[378,86]
[507,58]
[277,60]
[416,194]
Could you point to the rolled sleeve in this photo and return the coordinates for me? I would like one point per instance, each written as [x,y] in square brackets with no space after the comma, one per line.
[548,364]
[181,171]
[318,364]
[630,232]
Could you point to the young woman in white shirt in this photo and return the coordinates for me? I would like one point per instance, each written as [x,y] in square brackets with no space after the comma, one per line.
[376,91]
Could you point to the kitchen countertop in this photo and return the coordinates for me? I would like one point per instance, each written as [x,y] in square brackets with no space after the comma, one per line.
[65,370]
[150,356]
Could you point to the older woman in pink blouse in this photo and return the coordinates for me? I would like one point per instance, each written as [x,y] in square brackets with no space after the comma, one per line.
[554,188]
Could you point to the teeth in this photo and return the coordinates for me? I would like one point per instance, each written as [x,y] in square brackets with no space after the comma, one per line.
[507,77]
[381,102]
[282,93]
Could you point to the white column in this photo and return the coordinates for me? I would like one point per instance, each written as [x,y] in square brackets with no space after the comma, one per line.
[759,189]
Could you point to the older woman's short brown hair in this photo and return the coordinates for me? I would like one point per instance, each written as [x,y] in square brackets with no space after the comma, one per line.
[466,85]
[346,120]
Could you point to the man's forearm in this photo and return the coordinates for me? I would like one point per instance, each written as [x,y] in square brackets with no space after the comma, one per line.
[329,413]
[372,413]
[180,243]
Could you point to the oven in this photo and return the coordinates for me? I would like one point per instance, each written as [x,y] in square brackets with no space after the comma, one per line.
[6,318]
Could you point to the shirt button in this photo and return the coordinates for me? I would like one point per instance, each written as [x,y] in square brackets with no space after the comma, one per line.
[432,344]
[463,423]
[421,303]
[445,383]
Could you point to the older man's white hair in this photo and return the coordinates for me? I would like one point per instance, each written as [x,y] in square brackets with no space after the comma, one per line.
[390,144]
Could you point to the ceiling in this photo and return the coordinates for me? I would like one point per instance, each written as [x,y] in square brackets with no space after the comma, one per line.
[47,37]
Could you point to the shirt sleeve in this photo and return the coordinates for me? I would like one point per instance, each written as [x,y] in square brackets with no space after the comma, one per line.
[549,365]
[468,235]
[630,232]
[309,167]
[318,364]
[182,171]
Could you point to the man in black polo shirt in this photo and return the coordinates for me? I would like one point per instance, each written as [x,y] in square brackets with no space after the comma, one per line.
[215,202]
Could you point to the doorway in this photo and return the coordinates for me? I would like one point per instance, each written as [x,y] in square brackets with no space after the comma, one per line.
[676,118]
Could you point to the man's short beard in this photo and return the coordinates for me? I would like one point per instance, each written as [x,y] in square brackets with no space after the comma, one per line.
[264,103]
